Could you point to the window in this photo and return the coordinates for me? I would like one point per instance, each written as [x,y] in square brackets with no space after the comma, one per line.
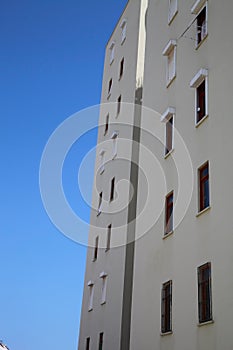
[114,144]
[199,82]
[118,105]
[172,10]
[91,295]
[109,232]
[112,189]
[121,68]
[112,52]
[123,31]
[96,248]
[201,20]
[88,340]
[100,202]
[204,197]
[169,214]
[103,276]
[204,293]
[106,124]
[101,341]
[102,154]
[109,88]
[168,118]
[166,308]
[170,53]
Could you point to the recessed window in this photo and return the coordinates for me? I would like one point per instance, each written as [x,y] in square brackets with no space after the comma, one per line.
[118,105]
[101,341]
[103,276]
[169,214]
[200,10]
[169,135]
[123,31]
[106,124]
[109,232]
[172,10]
[204,293]
[114,144]
[102,163]
[166,308]
[88,340]
[109,87]
[170,53]
[121,68]
[112,190]
[200,83]
[112,52]
[96,248]
[204,195]
[100,202]
[91,295]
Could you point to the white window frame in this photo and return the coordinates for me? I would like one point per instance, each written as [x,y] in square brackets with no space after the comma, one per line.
[114,138]
[197,9]
[165,117]
[123,31]
[170,49]
[172,11]
[103,276]
[102,161]
[202,75]
[90,285]
[112,52]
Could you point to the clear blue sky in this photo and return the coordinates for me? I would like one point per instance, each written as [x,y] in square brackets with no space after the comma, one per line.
[51,64]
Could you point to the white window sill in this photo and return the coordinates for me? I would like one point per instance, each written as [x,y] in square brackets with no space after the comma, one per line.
[167,333]
[166,235]
[201,121]
[168,153]
[203,211]
[170,19]
[205,323]
[169,82]
[200,43]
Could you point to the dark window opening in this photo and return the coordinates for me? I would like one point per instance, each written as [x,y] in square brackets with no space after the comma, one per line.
[101,341]
[96,248]
[201,101]
[201,25]
[88,343]
[204,200]
[166,312]
[109,231]
[121,68]
[112,189]
[106,124]
[118,105]
[109,86]
[169,135]
[204,293]
[169,214]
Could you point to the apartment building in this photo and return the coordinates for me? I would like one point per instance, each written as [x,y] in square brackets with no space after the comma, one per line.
[171,286]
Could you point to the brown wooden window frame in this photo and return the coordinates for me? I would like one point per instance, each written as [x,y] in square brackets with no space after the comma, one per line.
[169,204]
[204,293]
[166,307]
[204,191]
[201,101]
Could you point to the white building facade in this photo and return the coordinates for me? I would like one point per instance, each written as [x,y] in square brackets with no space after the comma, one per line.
[158,273]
